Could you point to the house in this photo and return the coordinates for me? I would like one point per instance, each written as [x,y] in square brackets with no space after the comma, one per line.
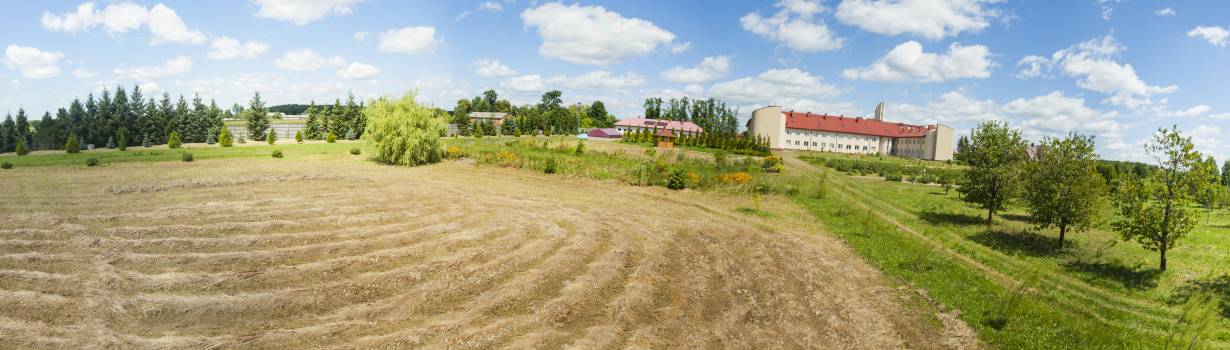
[605,133]
[496,118]
[636,124]
[857,135]
[665,138]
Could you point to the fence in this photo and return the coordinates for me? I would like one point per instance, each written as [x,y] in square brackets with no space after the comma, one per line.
[284,131]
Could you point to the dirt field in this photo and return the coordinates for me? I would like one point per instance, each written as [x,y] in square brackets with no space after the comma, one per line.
[339,253]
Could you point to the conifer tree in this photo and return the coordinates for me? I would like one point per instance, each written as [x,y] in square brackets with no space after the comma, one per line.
[225,139]
[298,136]
[122,141]
[21,147]
[331,137]
[73,145]
[173,140]
[271,137]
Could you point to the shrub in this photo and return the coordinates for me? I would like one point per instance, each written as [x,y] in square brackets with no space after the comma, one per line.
[173,140]
[91,161]
[73,145]
[580,148]
[187,157]
[893,176]
[145,141]
[550,167]
[678,180]
[122,144]
[110,142]
[822,189]
[720,159]
[21,147]
[225,139]
[6,165]
[277,153]
[331,137]
[454,152]
[772,164]
[355,151]
[740,178]
[298,136]
[401,131]
[271,137]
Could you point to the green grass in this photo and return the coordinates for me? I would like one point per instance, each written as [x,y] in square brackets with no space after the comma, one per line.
[163,154]
[1100,291]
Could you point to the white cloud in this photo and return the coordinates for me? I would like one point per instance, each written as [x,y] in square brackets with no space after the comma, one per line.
[592,34]
[306,60]
[908,62]
[1214,35]
[411,40]
[794,26]
[710,68]
[361,36]
[1055,114]
[1092,64]
[359,71]
[166,27]
[488,68]
[791,88]
[694,89]
[681,47]
[84,73]
[225,48]
[1108,7]
[302,12]
[1207,138]
[933,20]
[597,80]
[525,83]
[490,6]
[1165,12]
[462,15]
[32,62]
[1194,111]
[1033,66]
[175,66]
[150,88]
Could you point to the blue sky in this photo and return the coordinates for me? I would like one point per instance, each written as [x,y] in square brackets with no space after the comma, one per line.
[1116,69]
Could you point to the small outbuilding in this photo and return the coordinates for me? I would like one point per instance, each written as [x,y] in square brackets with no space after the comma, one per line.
[605,133]
[665,138]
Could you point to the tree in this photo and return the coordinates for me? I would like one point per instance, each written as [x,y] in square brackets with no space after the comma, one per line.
[962,149]
[225,139]
[401,131]
[312,129]
[331,137]
[173,140]
[1065,190]
[122,139]
[271,137]
[551,100]
[653,108]
[21,147]
[73,145]
[1225,173]
[991,180]
[298,136]
[257,117]
[1157,210]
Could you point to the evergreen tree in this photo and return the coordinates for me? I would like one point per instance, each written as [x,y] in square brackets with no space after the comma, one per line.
[73,144]
[331,137]
[1225,174]
[20,148]
[312,129]
[257,116]
[271,137]
[145,142]
[992,178]
[298,136]
[22,127]
[225,139]
[122,136]
[173,140]
[8,134]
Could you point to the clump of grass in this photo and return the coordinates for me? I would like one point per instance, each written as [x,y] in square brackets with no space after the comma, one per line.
[822,187]
[355,151]
[277,153]
[91,161]
[6,165]
[550,166]
[187,157]
[580,148]
[1200,315]
[1010,303]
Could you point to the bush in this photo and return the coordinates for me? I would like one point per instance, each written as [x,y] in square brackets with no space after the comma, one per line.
[173,140]
[401,131]
[298,136]
[110,142]
[91,161]
[772,164]
[678,180]
[355,151]
[6,165]
[187,157]
[73,145]
[454,152]
[225,139]
[720,159]
[550,167]
[893,176]
[145,141]
[331,138]
[277,153]
[21,147]
[271,137]
[735,178]
[122,144]
[580,148]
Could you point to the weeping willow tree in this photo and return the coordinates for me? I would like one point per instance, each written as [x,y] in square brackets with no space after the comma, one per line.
[401,131]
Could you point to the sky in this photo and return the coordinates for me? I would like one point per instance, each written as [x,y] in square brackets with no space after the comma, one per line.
[1116,69]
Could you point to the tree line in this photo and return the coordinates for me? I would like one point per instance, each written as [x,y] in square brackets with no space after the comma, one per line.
[337,119]
[1064,186]
[711,114]
[548,116]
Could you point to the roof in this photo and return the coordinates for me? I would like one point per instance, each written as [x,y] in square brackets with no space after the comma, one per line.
[664,133]
[488,115]
[605,132]
[861,126]
[659,124]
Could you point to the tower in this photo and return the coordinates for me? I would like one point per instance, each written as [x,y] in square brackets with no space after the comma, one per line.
[880,111]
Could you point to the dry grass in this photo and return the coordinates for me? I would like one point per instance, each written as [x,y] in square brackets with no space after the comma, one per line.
[338,253]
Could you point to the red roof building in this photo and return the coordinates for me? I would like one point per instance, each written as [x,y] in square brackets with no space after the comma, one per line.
[857,135]
[634,124]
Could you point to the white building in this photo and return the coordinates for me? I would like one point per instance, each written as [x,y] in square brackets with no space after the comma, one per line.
[841,134]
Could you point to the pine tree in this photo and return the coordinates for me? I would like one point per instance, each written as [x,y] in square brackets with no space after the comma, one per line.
[271,137]
[145,141]
[298,136]
[331,137]
[212,137]
[173,140]
[73,145]
[225,139]
[257,117]
[21,147]
[122,141]
[110,142]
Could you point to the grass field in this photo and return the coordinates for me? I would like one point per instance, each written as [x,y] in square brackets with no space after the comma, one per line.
[326,249]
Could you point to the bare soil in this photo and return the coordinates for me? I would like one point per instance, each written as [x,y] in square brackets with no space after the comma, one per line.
[342,254]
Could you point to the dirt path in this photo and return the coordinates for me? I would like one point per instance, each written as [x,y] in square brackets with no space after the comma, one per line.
[346,254]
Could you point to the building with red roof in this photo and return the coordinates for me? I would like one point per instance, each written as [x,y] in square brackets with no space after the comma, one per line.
[635,124]
[842,134]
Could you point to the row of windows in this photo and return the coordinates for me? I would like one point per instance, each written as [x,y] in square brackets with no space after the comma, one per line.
[831,146]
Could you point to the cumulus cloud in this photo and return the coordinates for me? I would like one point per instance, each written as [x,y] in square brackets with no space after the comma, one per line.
[225,49]
[794,26]
[359,71]
[931,19]
[164,24]
[710,68]
[681,47]
[411,40]
[489,68]
[84,73]
[32,62]
[592,34]
[525,83]
[1207,138]
[596,80]
[908,62]
[791,88]
[306,60]
[175,66]
[490,6]
[1093,66]
[1214,35]
[302,12]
